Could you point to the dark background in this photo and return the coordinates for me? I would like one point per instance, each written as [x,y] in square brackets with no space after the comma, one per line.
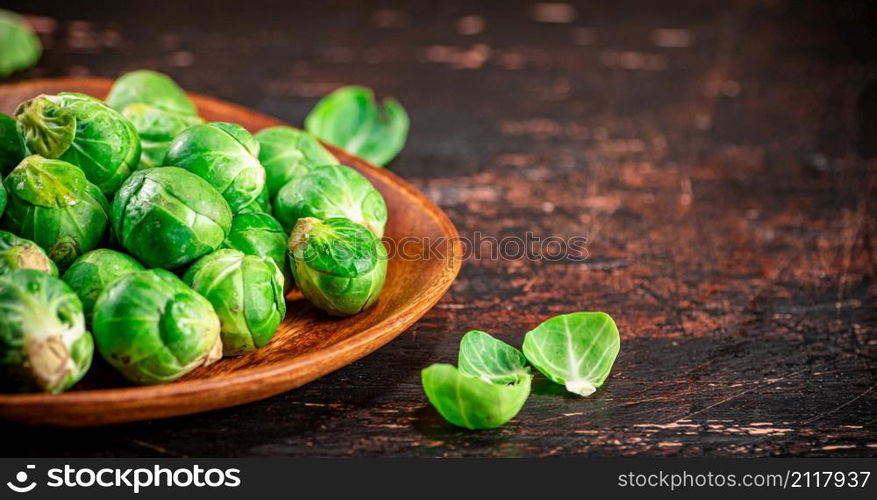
[718,156]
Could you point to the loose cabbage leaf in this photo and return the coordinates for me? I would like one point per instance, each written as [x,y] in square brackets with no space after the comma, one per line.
[470,402]
[351,119]
[19,46]
[490,359]
[576,350]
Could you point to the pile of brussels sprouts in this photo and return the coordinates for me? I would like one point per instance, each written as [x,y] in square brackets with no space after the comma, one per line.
[137,220]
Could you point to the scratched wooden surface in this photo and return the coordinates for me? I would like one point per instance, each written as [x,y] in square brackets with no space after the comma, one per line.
[719,158]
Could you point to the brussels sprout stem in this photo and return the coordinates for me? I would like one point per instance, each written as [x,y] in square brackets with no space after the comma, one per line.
[48,359]
[33,258]
[301,232]
[46,343]
[215,353]
[580,387]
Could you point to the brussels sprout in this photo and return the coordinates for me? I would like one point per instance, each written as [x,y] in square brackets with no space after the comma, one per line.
[261,235]
[93,271]
[339,265]
[168,217]
[152,88]
[331,191]
[223,154]
[52,203]
[153,328]
[157,128]
[43,343]
[83,131]
[288,153]
[247,293]
[19,46]
[19,253]
[11,148]
[351,119]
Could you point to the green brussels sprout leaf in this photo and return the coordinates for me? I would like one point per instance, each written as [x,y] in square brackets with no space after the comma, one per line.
[331,191]
[19,253]
[151,88]
[575,350]
[153,328]
[19,46]
[491,359]
[43,343]
[247,293]
[288,153]
[351,119]
[468,401]
[340,266]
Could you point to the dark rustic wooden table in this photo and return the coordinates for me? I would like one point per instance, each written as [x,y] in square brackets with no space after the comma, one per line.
[719,158]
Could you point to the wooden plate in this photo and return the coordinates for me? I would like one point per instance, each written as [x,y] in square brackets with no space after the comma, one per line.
[308,344]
